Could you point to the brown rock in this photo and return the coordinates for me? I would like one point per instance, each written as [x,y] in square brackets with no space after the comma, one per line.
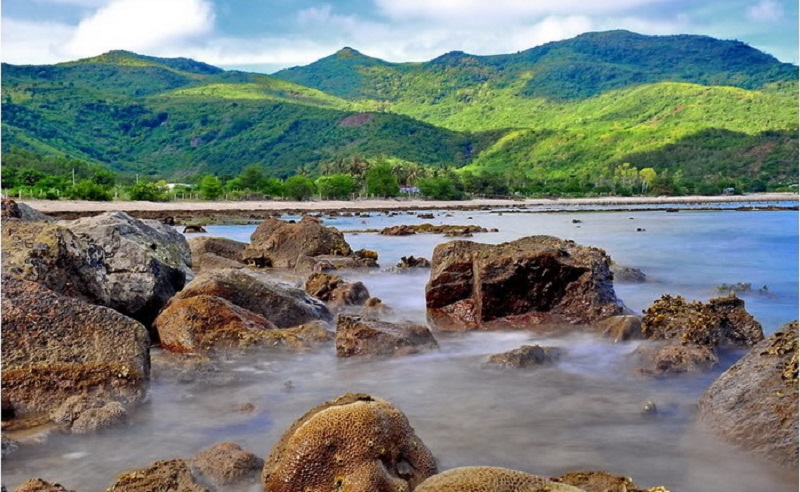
[194,229]
[412,262]
[282,305]
[427,228]
[620,328]
[39,485]
[83,414]
[227,463]
[9,209]
[661,359]
[279,244]
[598,481]
[356,443]
[210,253]
[490,479]
[356,336]
[526,356]
[162,476]
[532,281]
[335,291]
[54,347]
[754,403]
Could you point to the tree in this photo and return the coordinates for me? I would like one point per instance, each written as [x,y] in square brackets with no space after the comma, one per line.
[299,187]
[210,187]
[381,181]
[87,189]
[273,187]
[252,178]
[439,189]
[648,176]
[150,192]
[336,186]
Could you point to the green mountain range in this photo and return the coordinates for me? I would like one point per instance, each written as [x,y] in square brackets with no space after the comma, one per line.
[568,110]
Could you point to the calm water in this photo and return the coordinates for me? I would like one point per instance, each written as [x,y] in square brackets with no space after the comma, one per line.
[583,413]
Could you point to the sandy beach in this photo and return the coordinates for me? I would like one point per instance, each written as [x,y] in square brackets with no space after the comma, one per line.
[229,208]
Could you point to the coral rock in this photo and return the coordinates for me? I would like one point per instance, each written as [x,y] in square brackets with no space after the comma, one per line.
[162,476]
[490,479]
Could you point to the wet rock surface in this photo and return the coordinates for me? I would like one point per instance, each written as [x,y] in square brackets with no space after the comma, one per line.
[163,476]
[358,336]
[334,291]
[364,444]
[532,281]
[526,356]
[227,463]
[446,229]
[39,485]
[598,481]
[54,347]
[754,404]
[412,262]
[490,479]
[620,328]
[280,244]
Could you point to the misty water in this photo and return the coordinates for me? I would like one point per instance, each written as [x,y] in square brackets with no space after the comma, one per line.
[584,413]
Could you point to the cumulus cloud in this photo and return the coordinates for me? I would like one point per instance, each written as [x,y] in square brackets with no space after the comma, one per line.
[765,11]
[27,42]
[141,25]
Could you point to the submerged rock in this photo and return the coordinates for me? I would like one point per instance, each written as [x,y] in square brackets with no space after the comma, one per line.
[54,347]
[281,304]
[526,356]
[531,281]
[754,404]
[357,336]
[662,359]
[446,229]
[629,275]
[82,414]
[620,328]
[209,253]
[490,479]
[162,476]
[147,262]
[227,464]
[412,262]
[356,443]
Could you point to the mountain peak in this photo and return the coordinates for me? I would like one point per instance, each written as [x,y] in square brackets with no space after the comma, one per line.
[129,58]
[348,52]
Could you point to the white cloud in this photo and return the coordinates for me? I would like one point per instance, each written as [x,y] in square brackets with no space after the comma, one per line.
[141,25]
[76,3]
[765,11]
[25,42]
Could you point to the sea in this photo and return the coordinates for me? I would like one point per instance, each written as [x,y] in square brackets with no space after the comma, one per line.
[583,413]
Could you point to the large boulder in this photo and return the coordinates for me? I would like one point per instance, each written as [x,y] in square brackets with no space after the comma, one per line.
[210,253]
[147,262]
[490,479]
[531,281]
[356,443]
[754,403]
[204,323]
[55,257]
[280,244]
[54,347]
[281,304]
[357,336]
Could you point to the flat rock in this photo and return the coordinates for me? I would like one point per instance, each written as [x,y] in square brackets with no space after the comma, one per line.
[490,479]
[357,336]
[163,476]
[209,253]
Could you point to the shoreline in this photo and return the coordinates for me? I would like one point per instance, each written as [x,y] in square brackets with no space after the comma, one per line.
[69,209]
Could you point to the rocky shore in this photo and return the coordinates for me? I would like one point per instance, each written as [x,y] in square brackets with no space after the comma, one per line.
[84,301]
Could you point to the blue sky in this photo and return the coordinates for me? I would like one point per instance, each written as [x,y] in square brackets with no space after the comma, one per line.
[267,35]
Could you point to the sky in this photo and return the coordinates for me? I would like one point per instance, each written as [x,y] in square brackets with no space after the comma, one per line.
[268,35]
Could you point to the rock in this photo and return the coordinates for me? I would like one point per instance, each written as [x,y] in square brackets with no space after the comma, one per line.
[9,209]
[227,463]
[490,479]
[209,253]
[598,481]
[54,347]
[82,414]
[665,359]
[281,304]
[194,229]
[374,307]
[327,262]
[425,216]
[357,336]
[427,228]
[754,403]
[279,244]
[526,356]
[147,261]
[620,328]
[722,321]
[22,211]
[337,293]
[53,256]
[162,476]
[39,485]
[629,275]
[412,262]
[356,443]
[531,281]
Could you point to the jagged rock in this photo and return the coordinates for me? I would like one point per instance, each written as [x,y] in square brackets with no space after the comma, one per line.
[23,212]
[194,229]
[754,404]
[279,244]
[9,209]
[335,291]
[374,307]
[209,253]
[629,275]
[412,262]
[356,443]
[526,356]
[598,481]
[163,476]
[147,262]
[357,336]
[281,304]
[663,359]
[39,485]
[620,328]
[531,281]
[83,414]
[722,321]
[204,323]
[55,257]
[227,463]
[490,479]
[54,347]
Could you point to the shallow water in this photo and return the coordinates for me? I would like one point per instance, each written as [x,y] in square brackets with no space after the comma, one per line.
[583,413]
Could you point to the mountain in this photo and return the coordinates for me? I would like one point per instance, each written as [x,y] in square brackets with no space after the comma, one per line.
[694,105]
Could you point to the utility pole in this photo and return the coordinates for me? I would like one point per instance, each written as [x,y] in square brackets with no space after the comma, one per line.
[73,176]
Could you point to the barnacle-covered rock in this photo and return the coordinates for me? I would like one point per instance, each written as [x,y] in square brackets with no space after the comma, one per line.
[356,443]
[491,479]
[163,476]
[599,481]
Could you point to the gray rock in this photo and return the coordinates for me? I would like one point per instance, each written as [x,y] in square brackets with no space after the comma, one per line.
[526,356]
[357,336]
[209,253]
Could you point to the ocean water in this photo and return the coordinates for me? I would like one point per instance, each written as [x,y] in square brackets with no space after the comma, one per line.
[582,413]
